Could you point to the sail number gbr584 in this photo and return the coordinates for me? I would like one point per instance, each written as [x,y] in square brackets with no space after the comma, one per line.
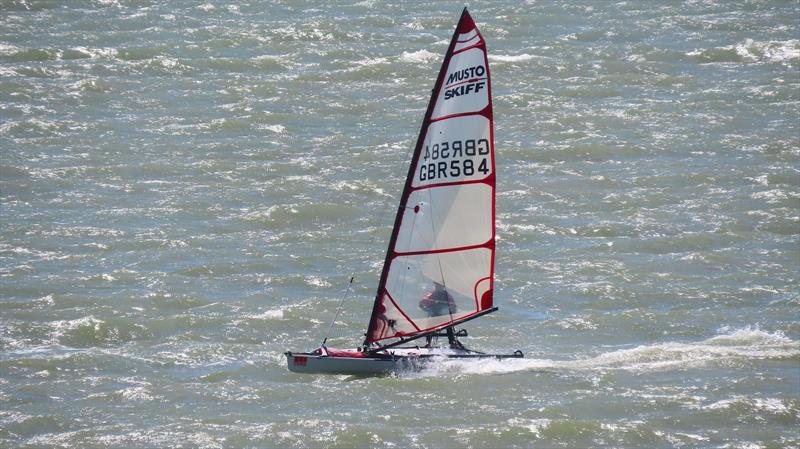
[454,159]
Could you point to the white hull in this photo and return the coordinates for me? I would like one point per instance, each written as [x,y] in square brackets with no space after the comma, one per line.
[399,359]
[319,364]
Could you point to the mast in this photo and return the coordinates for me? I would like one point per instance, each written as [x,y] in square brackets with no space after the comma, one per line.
[455,168]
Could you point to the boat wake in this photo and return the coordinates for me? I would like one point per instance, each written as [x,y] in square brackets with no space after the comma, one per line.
[733,348]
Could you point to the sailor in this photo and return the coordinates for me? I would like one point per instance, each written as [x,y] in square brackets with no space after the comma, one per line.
[436,303]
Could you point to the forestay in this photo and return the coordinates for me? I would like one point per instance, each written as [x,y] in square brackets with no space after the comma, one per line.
[444,230]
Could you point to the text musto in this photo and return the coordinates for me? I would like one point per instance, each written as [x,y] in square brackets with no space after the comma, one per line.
[470,80]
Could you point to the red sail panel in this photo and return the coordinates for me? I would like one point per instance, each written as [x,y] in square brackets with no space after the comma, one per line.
[439,267]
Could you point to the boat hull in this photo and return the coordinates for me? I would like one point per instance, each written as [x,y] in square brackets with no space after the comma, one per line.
[324,364]
[315,363]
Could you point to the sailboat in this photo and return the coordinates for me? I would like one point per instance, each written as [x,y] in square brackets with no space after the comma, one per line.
[439,268]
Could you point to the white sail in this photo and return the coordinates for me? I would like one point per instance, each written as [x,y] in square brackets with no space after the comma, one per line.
[444,233]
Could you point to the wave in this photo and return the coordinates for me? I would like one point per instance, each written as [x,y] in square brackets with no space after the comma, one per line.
[273,314]
[511,58]
[89,331]
[749,50]
[732,348]
[419,56]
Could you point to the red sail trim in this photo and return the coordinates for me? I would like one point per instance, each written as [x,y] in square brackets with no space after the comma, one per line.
[490,116]
[488,245]
[432,328]
[473,27]
[465,24]
[388,295]
[475,290]
[462,50]
[485,112]
[489,180]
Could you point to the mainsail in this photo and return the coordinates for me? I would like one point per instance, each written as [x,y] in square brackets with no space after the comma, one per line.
[444,232]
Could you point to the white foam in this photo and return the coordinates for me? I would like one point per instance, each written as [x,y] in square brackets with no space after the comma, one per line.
[774,51]
[96,53]
[136,393]
[316,281]
[8,49]
[6,71]
[511,58]
[749,50]
[61,327]
[267,315]
[267,214]
[277,129]
[371,62]
[773,406]
[741,344]
[534,426]
[774,196]
[576,323]
[419,56]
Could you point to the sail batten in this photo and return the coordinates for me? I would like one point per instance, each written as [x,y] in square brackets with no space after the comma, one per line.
[447,250]
[439,266]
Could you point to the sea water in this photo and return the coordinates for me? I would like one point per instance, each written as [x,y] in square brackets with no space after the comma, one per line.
[187,188]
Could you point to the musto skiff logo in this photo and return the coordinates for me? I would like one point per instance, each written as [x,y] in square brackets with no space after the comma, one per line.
[465,81]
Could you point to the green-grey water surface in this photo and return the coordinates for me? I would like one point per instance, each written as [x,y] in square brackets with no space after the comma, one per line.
[187,188]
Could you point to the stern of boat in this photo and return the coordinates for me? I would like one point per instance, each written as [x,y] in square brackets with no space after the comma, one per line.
[340,362]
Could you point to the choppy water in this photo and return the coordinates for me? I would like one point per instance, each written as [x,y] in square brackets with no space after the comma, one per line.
[187,187]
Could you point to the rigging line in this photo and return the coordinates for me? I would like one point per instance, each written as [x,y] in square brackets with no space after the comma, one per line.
[339,309]
[381,221]
[349,286]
